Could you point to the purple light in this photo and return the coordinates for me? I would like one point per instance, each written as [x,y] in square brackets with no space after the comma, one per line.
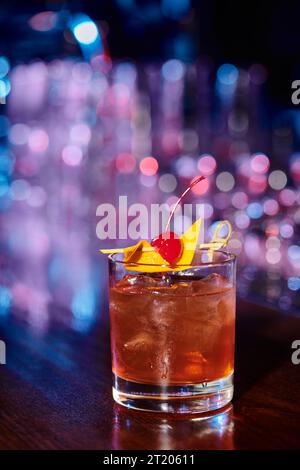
[207,165]
[208,211]
[44,21]
[260,163]
[72,155]
[125,163]
[252,246]
[38,140]
[294,255]
[20,190]
[273,243]
[37,197]
[286,230]
[173,70]
[170,141]
[80,134]
[239,200]
[273,256]
[258,74]
[186,166]
[148,181]
[242,220]
[287,197]
[295,168]
[167,183]
[257,183]
[18,134]
[271,207]
[189,140]
[82,72]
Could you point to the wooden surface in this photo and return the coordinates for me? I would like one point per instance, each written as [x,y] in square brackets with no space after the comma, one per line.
[55,392]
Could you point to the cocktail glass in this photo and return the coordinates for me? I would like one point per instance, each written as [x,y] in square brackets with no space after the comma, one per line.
[172,333]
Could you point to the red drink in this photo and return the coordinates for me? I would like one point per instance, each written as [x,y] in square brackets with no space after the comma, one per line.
[172,329]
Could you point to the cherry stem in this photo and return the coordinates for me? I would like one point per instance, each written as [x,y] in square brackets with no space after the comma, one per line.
[196,181]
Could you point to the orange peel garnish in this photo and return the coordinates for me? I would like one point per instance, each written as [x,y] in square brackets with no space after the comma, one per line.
[143,253]
[218,242]
[147,259]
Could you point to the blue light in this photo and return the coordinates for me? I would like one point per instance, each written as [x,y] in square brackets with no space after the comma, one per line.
[294,283]
[255,210]
[4,66]
[4,185]
[126,4]
[212,230]
[56,269]
[4,126]
[125,73]
[296,119]
[173,70]
[86,32]
[6,165]
[183,47]
[87,35]
[5,202]
[220,421]
[5,300]
[294,252]
[175,8]
[83,309]
[227,74]
[4,88]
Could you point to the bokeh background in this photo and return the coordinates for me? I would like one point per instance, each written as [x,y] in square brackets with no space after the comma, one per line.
[101,99]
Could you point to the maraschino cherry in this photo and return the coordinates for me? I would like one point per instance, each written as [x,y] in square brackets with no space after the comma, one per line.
[168,244]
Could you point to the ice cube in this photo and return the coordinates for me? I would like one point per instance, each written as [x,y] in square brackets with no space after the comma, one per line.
[128,280]
[164,362]
[164,313]
[217,280]
[143,280]
[212,284]
[140,343]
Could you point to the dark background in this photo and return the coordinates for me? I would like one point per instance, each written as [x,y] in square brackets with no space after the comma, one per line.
[180,81]
[224,31]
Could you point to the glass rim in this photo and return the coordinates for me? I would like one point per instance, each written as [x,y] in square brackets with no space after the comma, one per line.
[230,257]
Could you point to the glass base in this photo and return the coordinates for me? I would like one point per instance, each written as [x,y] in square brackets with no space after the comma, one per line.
[196,398]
